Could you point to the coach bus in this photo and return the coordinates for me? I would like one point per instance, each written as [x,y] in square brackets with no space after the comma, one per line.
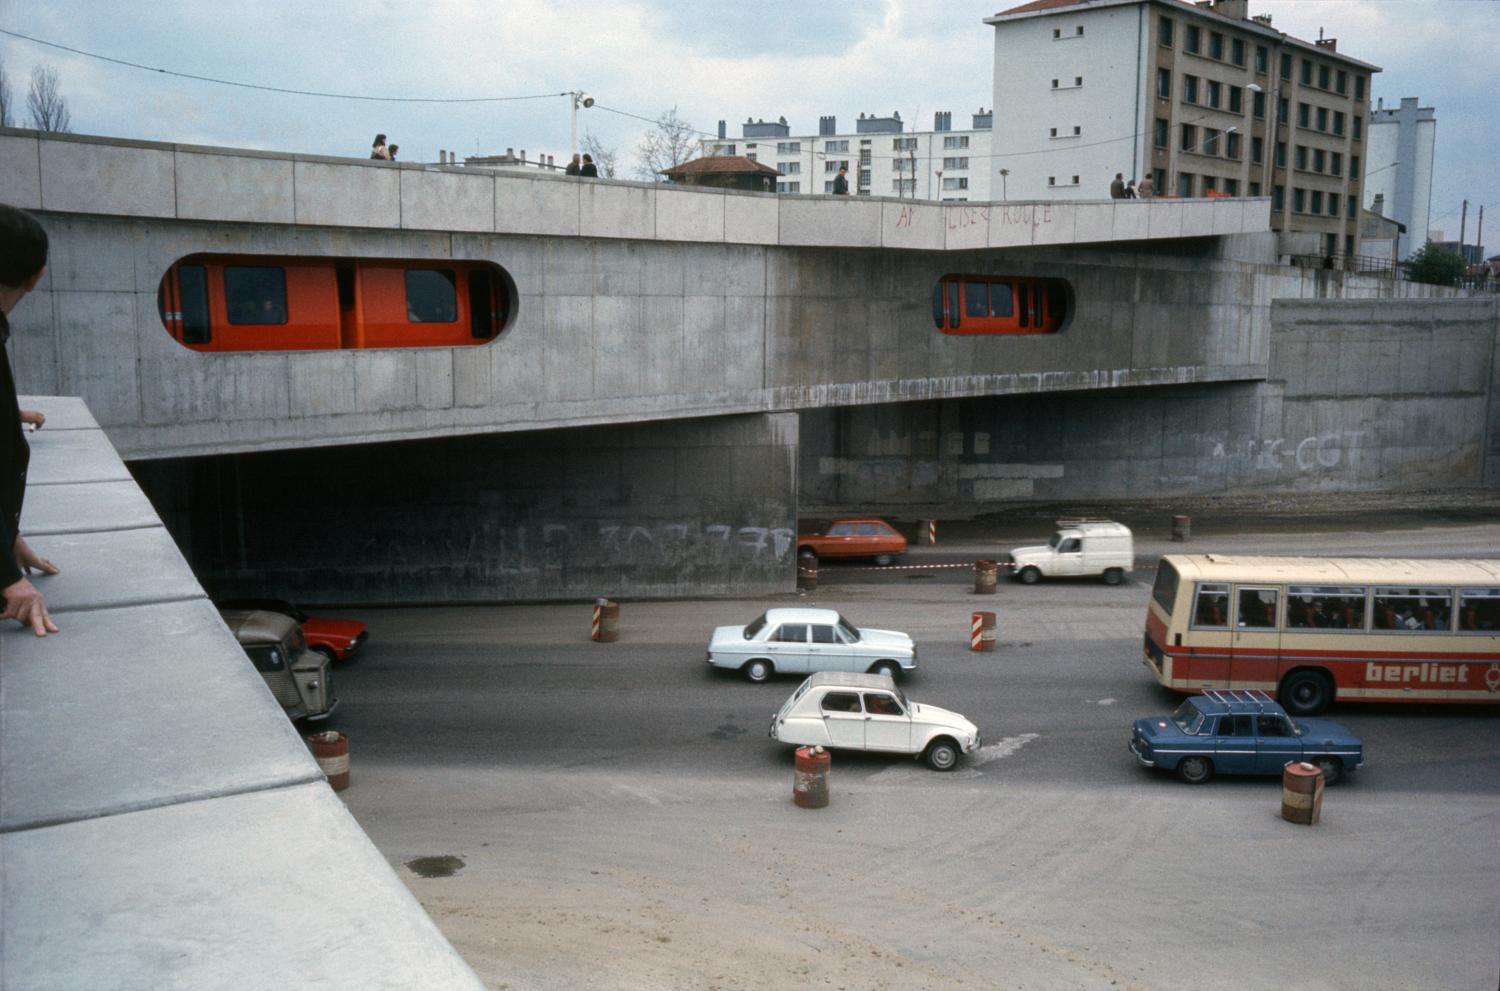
[1318,630]
[300,303]
[998,304]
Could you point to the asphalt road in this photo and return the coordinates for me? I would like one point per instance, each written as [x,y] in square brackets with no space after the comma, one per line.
[607,799]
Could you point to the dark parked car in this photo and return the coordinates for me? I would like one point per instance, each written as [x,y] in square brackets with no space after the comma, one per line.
[1241,732]
[335,639]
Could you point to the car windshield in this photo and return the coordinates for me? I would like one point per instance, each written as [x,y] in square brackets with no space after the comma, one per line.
[756,625]
[1188,718]
[849,630]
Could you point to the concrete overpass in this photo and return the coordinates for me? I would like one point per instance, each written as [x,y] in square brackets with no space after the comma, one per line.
[689,368]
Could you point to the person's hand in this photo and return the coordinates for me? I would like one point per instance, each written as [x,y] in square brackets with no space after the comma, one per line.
[26,605]
[34,417]
[28,560]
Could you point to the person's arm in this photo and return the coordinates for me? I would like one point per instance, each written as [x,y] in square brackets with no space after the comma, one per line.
[35,417]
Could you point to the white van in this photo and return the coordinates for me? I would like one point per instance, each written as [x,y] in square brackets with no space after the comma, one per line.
[1079,547]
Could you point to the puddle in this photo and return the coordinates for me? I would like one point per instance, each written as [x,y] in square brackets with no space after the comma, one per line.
[444,866]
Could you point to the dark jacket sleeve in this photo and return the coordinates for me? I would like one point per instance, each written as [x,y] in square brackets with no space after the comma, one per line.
[15,455]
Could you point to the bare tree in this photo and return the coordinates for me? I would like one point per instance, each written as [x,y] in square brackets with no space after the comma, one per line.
[670,143]
[6,110]
[49,108]
[604,157]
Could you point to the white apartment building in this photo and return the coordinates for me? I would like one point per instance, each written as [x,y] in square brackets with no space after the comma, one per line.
[1403,141]
[1201,97]
[882,157]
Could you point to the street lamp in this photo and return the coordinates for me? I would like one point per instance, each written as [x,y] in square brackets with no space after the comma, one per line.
[576,99]
[939,196]
[1003,174]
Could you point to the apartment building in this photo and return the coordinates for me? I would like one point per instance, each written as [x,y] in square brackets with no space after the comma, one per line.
[883,158]
[1203,98]
[1403,140]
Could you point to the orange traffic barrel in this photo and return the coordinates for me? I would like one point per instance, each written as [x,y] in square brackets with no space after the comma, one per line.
[807,573]
[1301,792]
[810,780]
[331,750]
[1182,528]
[606,625]
[985,576]
[982,631]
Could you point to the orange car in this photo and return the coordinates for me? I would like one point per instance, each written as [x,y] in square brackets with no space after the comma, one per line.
[855,538]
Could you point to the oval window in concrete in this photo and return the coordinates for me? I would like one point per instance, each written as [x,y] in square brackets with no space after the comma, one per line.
[275,303]
[999,304]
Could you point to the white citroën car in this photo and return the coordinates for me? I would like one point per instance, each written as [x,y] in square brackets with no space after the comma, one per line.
[868,712]
[797,641]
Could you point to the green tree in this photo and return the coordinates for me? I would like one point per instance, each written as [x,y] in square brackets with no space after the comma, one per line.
[1435,266]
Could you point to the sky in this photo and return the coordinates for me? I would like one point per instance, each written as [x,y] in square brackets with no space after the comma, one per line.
[708,59]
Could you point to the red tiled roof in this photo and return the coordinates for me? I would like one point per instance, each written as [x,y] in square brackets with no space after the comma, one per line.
[720,165]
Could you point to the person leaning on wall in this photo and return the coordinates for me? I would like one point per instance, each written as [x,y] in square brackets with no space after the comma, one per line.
[23,258]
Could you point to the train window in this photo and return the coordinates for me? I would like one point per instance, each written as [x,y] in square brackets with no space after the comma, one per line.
[987,304]
[481,306]
[1002,301]
[192,297]
[431,296]
[255,295]
[976,299]
[953,303]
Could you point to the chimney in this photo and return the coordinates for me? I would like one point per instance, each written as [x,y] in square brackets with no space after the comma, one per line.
[1327,44]
[827,125]
[1379,205]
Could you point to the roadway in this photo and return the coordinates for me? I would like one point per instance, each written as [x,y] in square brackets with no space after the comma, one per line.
[623,821]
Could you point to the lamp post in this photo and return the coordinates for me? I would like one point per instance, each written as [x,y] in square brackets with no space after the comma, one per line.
[576,99]
[939,196]
[1003,174]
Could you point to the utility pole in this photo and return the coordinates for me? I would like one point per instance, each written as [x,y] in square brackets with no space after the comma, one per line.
[1463,220]
[1479,234]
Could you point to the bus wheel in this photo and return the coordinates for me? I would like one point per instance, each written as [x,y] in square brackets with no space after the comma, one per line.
[1195,770]
[1305,693]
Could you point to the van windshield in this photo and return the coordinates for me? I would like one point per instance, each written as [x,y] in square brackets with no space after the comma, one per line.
[1056,539]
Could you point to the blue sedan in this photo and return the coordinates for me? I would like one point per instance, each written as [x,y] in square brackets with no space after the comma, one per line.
[1241,732]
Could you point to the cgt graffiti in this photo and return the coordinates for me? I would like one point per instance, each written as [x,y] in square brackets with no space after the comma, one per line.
[1320,452]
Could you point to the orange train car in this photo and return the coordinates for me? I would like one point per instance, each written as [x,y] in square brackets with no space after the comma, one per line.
[997,304]
[265,303]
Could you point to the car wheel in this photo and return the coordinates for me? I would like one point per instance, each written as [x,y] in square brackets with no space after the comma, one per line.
[887,667]
[1029,576]
[942,755]
[1332,768]
[1305,693]
[1195,770]
[758,670]
[883,560]
[1113,576]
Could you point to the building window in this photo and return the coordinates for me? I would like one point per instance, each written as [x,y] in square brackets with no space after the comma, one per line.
[1158,178]
[864,178]
[1333,204]
[792,187]
[1164,27]
[1304,113]
[1210,184]
[1054,84]
[832,166]
[1278,197]
[1215,93]
[1338,122]
[1298,200]
[1053,133]
[1190,89]
[1306,73]
[1232,145]
[1052,180]
[962,182]
[1359,127]
[1323,119]
[1237,51]
[904,144]
[1257,148]
[961,141]
[1210,142]
[1341,82]
[1302,157]
[903,165]
[1322,77]
[1335,163]
[1354,165]
[1317,201]
[1215,45]
[1236,100]
[1077,130]
[1255,189]
[840,146]
[1232,187]
[1194,39]
[1078,32]
[1258,105]
[789,168]
[1319,160]
[1281,154]
[1262,58]
[1359,87]
[1330,243]
[903,185]
[1283,114]
[1185,184]
[788,147]
[1349,245]
[1164,83]
[1351,207]
[1286,67]
[955,163]
[1163,135]
[1077,80]
[1189,137]
[1056,33]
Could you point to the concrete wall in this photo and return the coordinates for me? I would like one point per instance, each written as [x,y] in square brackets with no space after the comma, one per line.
[161,823]
[697,507]
[1359,396]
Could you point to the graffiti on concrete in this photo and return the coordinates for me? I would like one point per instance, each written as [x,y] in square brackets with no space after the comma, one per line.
[1316,453]
[962,217]
[1032,215]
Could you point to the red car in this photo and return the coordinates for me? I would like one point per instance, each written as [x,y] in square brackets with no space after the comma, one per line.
[855,538]
[336,639]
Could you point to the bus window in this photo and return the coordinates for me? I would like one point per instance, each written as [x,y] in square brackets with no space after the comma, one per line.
[1164,591]
[1212,607]
[976,299]
[1256,609]
[1325,607]
[255,294]
[1413,609]
[192,297]
[431,296]
[1479,610]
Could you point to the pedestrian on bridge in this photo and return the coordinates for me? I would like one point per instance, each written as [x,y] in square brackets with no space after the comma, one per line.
[23,258]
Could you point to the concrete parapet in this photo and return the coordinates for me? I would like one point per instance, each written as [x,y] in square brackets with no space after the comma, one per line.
[20,171]
[337,194]
[842,221]
[697,216]
[446,199]
[234,187]
[95,176]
